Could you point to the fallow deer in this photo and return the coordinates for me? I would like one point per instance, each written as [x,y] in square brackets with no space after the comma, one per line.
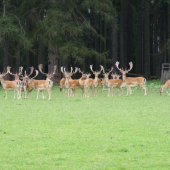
[9,85]
[131,81]
[112,83]
[96,81]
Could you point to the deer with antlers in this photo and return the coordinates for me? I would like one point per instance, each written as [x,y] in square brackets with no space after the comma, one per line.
[70,84]
[132,81]
[22,85]
[39,85]
[96,81]
[112,83]
[9,85]
[115,76]
[86,82]
[62,81]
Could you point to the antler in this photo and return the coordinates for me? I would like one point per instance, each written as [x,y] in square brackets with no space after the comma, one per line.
[110,70]
[131,66]
[40,68]
[80,71]
[36,74]
[32,69]
[20,70]
[62,69]
[117,65]
[91,68]
[55,68]
[76,69]
[8,69]
[102,68]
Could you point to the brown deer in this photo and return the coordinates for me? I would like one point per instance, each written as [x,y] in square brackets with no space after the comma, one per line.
[70,84]
[39,85]
[9,85]
[112,83]
[96,80]
[132,81]
[165,86]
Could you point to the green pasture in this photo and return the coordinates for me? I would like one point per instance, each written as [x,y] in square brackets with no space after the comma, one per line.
[95,133]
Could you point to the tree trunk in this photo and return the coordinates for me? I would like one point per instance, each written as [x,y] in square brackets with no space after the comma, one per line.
[114,44]
[18,58]
[169,30]
[155,44]
[147,39]
[139,56]
[121,39]
[5,54]
[52,60]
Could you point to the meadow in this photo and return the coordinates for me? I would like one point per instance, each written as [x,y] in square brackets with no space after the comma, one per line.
[95,133]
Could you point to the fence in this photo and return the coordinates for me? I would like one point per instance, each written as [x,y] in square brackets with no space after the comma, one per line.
[165,74]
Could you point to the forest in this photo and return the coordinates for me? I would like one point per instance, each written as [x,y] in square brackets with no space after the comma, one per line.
[80,33]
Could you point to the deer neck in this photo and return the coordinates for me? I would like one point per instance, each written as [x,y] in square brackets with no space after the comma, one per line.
[95,81]
[124,77]
[107,81]
[87,81]
[67,82]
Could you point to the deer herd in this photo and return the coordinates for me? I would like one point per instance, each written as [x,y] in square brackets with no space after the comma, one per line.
[25,83]
[85,82]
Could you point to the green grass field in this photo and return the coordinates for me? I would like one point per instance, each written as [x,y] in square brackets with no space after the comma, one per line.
[95,133]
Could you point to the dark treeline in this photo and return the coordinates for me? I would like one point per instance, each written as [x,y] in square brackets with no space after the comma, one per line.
[83,32]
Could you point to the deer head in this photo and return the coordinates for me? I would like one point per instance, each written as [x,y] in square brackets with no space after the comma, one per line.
[96,73]
[17,75]
[83,75]
[106,75]
[48,75]
[67,74]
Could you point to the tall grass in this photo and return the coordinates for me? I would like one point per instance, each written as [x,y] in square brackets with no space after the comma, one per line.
[102,133]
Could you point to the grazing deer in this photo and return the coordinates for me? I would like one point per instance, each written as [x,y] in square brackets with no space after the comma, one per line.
[9,85]
[96,81]
[112,83]
[165,86]
[131,81]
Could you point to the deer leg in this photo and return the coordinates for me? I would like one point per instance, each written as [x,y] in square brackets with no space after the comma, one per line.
[18,94]
[130,90]
[108,92]
[87,91]
[127,90]
[37,94]
[7,93]
[49,93]
[143,86]
[120,91]
[25,91]
[113,91]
